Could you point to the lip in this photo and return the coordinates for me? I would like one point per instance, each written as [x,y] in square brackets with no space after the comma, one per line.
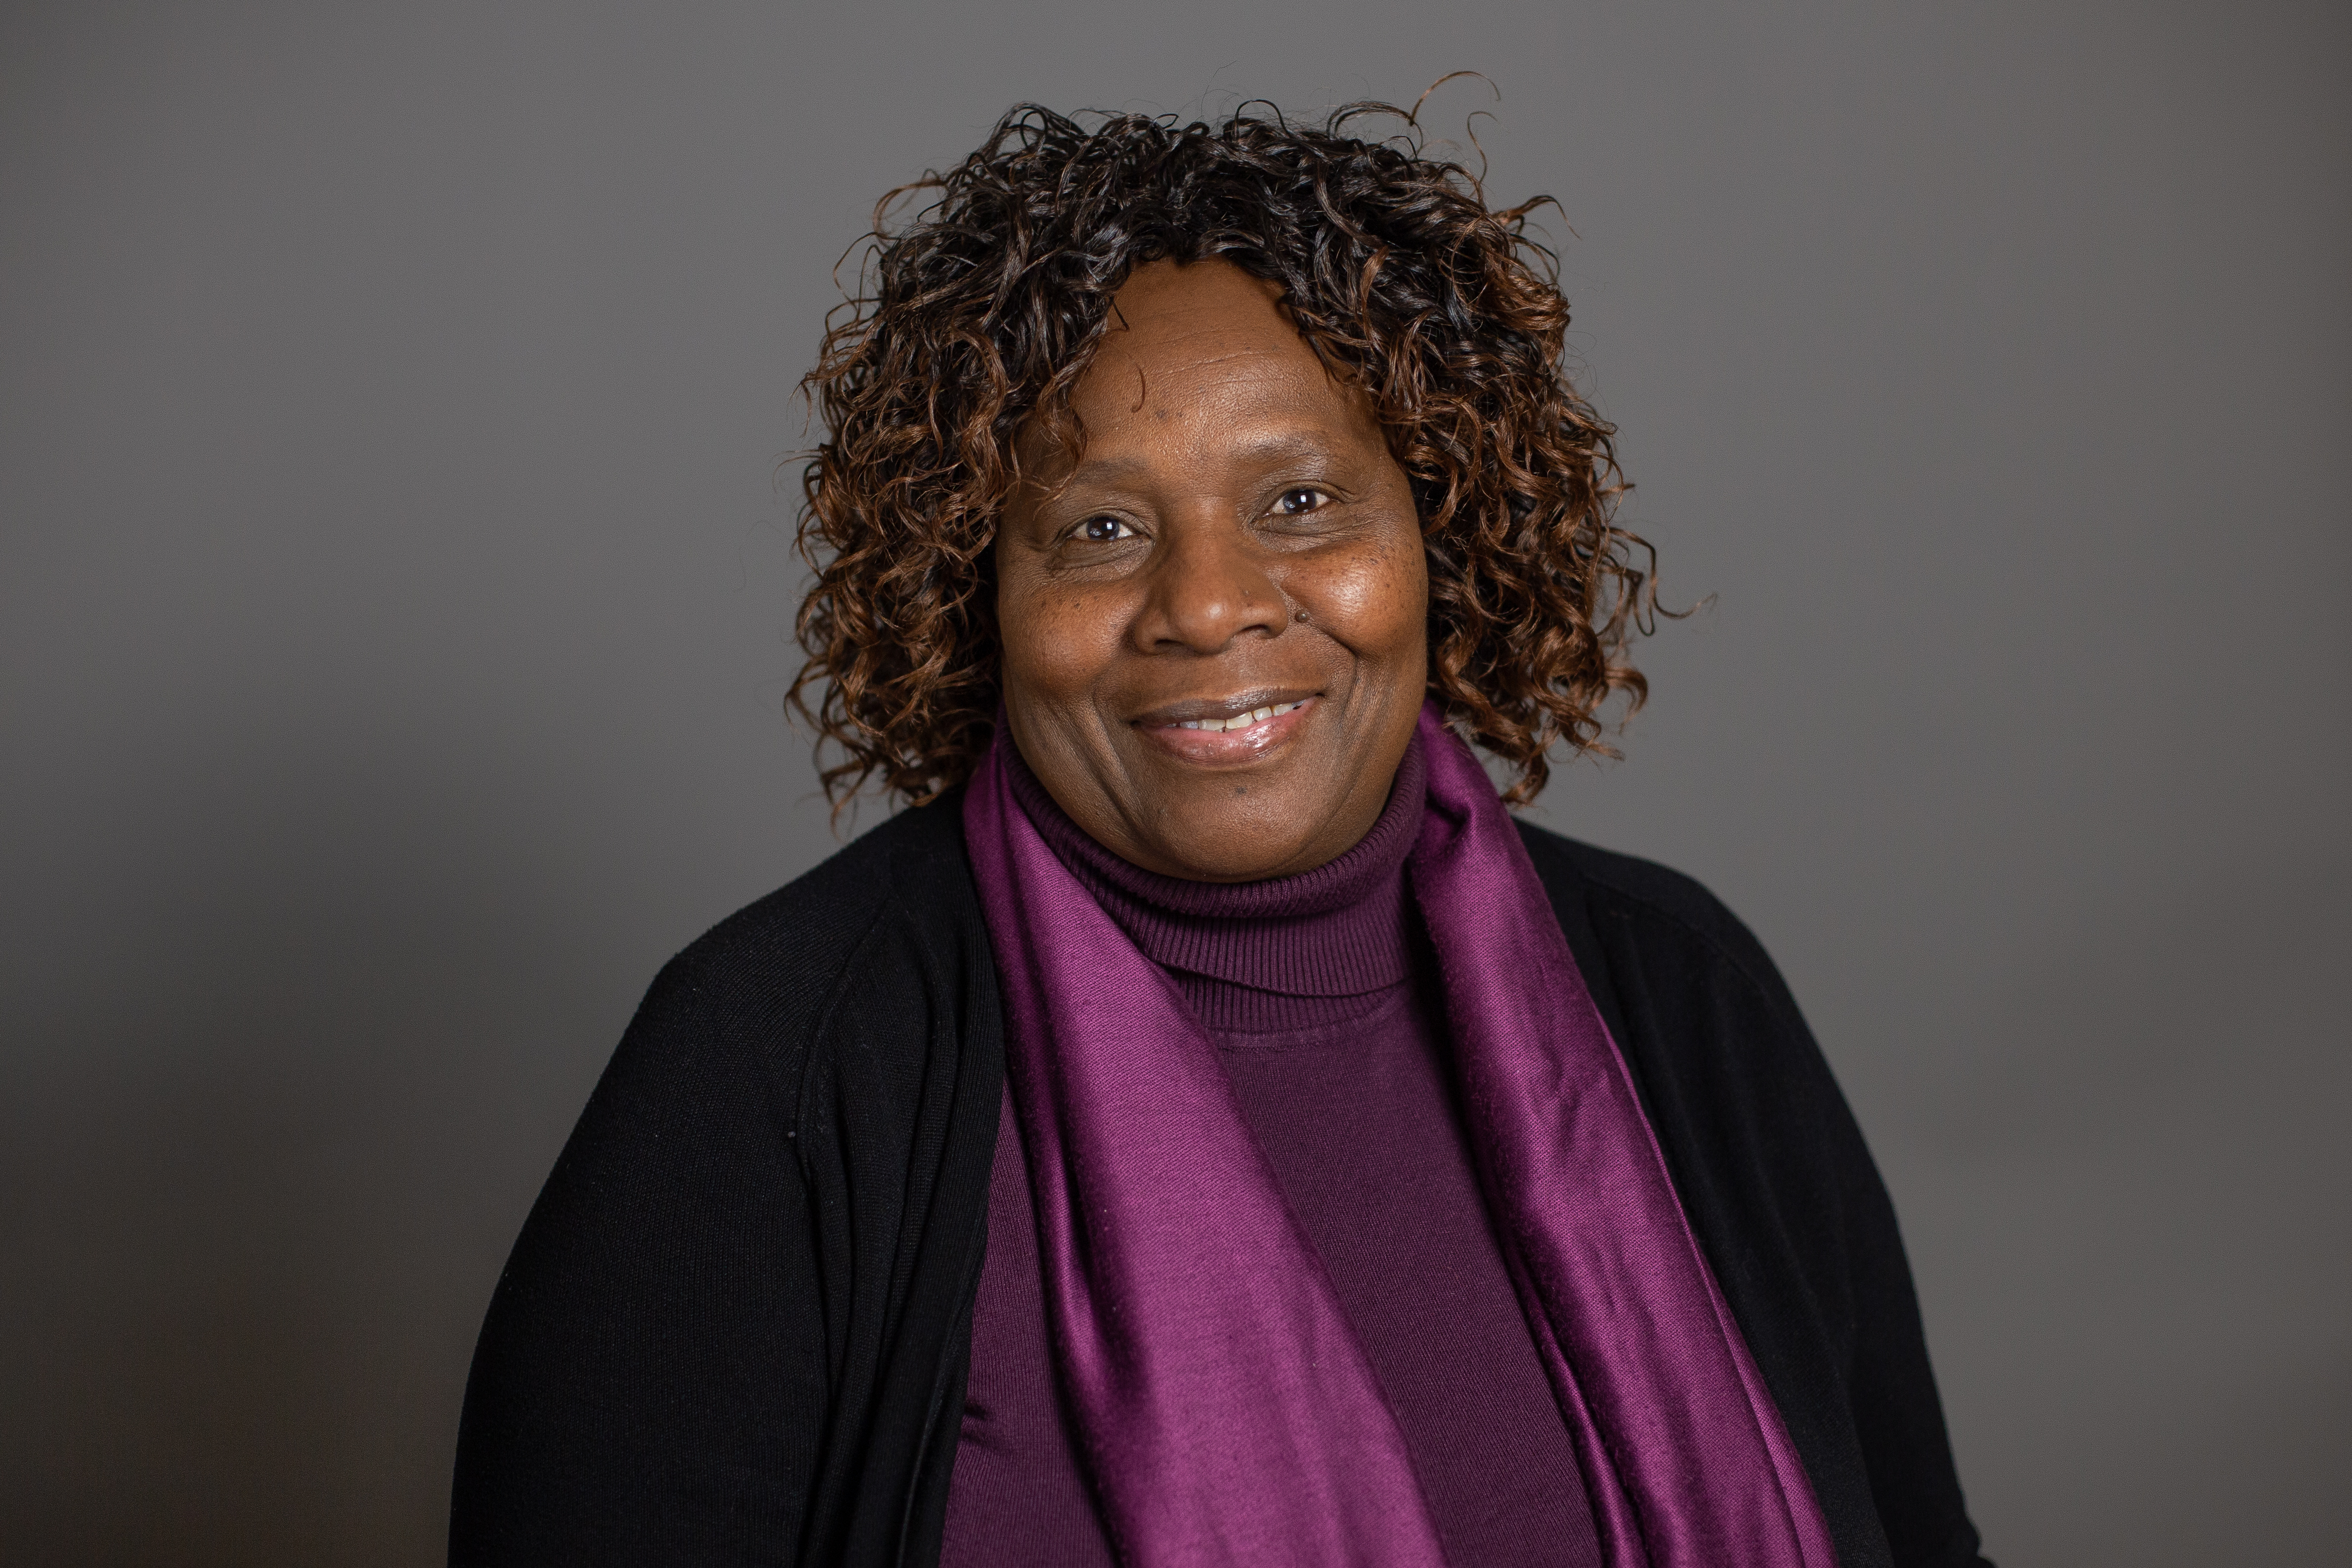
[1164,726]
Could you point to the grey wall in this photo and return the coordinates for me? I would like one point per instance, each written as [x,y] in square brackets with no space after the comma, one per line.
[391,642]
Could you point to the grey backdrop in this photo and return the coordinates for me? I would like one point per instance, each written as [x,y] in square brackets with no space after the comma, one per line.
[392,645]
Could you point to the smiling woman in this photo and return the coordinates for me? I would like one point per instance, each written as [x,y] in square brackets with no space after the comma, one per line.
[1214,623]
[1204,1127]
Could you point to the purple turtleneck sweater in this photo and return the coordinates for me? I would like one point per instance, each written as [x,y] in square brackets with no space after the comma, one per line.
[1315,989]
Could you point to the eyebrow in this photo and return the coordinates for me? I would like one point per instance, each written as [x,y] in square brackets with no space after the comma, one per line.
[1266,449]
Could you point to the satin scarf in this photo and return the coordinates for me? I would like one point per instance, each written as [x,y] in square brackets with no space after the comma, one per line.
[1226,1413]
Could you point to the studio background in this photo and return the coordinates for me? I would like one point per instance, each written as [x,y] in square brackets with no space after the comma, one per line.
[394,634]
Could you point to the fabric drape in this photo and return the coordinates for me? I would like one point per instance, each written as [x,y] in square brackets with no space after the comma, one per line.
[1225,1408]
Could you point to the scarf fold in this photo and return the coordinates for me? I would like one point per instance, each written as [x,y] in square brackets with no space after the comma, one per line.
[1226,1411]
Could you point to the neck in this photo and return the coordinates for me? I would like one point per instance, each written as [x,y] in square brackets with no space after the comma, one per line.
[1342,930]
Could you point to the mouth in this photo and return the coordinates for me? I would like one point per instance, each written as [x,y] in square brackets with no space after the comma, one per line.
[1240,729]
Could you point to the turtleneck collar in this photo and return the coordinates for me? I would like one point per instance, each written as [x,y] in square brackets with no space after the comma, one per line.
[1343,929]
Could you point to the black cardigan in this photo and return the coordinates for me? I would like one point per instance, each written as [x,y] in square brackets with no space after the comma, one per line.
[736,1326]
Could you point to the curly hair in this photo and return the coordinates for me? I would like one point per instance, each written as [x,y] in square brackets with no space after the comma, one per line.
[979,315]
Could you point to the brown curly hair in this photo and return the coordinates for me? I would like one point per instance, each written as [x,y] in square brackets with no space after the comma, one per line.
[982,313]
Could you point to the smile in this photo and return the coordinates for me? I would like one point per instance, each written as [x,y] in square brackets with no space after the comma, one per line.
[1243,720]
[1235,731]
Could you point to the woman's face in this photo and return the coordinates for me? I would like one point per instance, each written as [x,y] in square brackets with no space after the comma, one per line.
[1236,539]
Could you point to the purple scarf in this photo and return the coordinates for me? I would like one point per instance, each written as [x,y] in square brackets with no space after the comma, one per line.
[1225,1410]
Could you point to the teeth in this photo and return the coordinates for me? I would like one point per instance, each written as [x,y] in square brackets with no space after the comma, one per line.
[1243,720]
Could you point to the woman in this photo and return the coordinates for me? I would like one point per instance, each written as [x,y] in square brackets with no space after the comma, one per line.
[1205,1128]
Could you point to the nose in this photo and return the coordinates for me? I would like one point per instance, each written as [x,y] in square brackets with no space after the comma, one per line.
[1207,587]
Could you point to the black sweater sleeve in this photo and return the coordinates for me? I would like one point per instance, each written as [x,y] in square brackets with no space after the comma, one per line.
[650,1385]
[1783,1193]
[738,1312]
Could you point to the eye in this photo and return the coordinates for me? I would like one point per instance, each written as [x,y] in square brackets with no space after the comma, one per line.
[1304,499]
[1104,530]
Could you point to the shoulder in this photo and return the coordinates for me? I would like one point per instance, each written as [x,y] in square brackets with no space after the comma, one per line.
[880,928]
[906,865]
[909,873]
[1719,1049]
[1642,908]
[713,1082]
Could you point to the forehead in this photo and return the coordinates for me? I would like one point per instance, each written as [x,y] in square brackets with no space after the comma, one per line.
[1187,340]
[1163,301]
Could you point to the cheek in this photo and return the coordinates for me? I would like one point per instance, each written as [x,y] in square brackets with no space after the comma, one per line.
[1056,640]
[1377,603]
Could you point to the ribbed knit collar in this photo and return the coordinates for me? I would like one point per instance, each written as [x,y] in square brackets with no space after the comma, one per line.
[1340,930]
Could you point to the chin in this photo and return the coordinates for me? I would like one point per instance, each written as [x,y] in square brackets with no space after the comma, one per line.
[1236,837]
